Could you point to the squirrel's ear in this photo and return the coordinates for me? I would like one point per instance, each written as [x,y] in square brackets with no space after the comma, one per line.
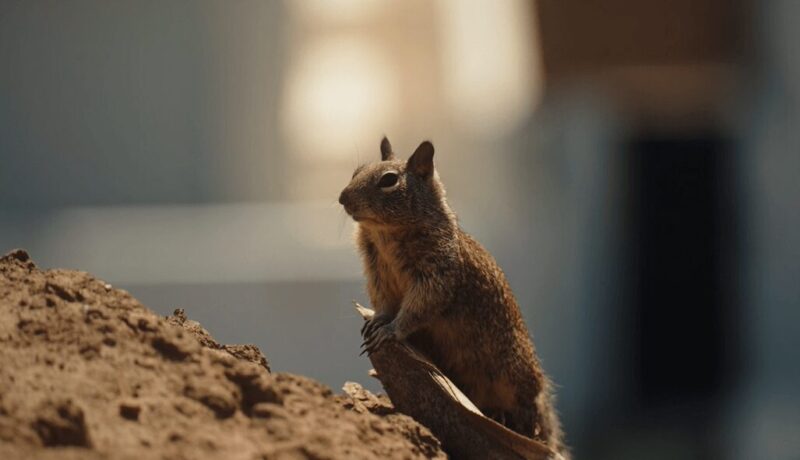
[386,150]
[421,162]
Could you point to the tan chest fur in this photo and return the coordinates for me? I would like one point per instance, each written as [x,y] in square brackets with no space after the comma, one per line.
[390,282]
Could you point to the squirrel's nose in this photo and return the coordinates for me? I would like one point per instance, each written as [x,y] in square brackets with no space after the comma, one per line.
[343,198]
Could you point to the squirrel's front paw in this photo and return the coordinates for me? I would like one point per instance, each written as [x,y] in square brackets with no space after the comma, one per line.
[375,335]
[374,323]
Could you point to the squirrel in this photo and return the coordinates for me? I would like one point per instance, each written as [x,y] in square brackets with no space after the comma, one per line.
[434,286]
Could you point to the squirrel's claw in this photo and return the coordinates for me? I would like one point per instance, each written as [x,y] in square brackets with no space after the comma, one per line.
[377,336]
[382,339]
[370,327]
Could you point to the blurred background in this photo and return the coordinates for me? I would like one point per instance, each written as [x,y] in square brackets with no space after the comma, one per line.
[632,164]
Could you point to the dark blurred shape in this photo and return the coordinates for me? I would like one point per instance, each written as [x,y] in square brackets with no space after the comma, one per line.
[683,298]
[680,299]
[670,64]
[590,36]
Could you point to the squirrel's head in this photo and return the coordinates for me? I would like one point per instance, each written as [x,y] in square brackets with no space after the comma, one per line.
[396,193]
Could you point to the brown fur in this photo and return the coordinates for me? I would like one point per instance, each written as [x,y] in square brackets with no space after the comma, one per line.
[433,285]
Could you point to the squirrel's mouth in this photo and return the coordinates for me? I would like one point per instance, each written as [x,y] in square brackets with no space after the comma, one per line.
[360,218]
[352,213]
[357,216]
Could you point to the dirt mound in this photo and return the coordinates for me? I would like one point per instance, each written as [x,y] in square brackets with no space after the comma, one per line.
[86,371]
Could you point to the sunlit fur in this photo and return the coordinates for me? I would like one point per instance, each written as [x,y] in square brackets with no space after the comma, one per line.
[447,296]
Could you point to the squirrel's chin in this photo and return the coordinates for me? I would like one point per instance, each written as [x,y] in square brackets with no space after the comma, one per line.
[365,220]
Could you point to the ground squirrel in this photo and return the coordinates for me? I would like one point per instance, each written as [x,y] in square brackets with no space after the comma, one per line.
[434,286]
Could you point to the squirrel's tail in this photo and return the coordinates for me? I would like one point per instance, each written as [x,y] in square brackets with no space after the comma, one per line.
[549,423]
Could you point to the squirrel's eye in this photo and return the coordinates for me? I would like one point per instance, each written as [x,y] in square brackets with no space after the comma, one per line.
[388,180]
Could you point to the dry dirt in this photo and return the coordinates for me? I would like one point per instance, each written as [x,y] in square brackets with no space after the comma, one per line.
[86,371]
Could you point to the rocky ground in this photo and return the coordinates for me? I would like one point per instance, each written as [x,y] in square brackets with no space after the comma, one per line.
[86,371]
